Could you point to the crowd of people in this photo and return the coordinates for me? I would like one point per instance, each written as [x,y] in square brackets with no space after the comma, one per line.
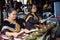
[41,7]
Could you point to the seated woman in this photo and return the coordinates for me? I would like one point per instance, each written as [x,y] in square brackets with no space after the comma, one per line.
[32,19]
[10,25]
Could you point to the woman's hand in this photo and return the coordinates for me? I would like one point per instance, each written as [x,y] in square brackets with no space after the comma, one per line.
[42,21]
[27,31]
[36,25]
[15,34]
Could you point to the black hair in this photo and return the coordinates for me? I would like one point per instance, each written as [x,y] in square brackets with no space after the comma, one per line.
[11,10]
[30,7]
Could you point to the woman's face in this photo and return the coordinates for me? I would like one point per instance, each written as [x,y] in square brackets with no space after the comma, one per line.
[13,14]
[34,9]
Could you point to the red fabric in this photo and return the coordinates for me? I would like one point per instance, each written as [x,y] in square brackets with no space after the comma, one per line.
[59,16]
[21,35]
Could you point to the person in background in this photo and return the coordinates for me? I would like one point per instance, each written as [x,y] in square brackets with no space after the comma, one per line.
[47,10]
[17,5]
[32,20]
[5,12]
[47,7]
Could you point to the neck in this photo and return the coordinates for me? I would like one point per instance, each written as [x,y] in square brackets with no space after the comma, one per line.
[11,19]
[32,13]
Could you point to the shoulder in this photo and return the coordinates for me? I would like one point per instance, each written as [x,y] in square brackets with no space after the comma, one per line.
[29,15]
[6,22]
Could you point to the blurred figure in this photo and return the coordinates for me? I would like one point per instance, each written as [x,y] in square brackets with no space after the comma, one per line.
[47,9]
[32,19]
[47,6]
[5,12]
[3,2]
[17,5]
[9,2]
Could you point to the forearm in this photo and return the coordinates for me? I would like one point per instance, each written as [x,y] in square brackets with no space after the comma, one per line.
[10,34]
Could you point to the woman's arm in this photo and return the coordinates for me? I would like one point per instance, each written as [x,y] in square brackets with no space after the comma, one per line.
[10,34]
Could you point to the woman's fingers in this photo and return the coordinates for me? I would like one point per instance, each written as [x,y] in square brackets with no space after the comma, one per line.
[42,21]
